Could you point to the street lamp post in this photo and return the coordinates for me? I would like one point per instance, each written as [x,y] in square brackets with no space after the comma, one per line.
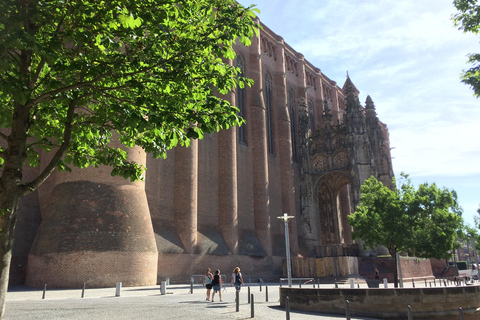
[285,219]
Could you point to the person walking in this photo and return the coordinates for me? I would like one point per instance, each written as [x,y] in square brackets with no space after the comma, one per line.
[217,285]
[237,279]
[207,282]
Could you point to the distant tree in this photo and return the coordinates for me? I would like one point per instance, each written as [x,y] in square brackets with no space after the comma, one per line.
[421,222]
[74,73]
[477,219]
[471,233]
[468,20]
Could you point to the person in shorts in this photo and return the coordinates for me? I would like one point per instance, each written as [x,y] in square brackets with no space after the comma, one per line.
[237,279]
[217,284]
[207,282]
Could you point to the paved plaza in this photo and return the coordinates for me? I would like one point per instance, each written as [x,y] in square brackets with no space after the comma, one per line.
[148,303]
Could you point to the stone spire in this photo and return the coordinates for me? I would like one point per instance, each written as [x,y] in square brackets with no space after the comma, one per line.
[327,115]
[355,118]
[359,150]
[379,144]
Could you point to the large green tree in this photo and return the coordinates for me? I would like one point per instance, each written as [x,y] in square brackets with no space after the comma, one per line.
[467,19]
[422,222]
[74,73]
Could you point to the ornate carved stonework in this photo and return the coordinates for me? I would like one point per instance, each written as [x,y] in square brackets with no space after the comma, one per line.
[340,160]
[333,157]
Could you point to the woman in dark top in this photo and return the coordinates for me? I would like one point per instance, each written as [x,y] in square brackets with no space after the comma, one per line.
[217,285]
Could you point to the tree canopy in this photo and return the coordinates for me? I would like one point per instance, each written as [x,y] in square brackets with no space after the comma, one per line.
[73,72]
[76,73]
[467,19]
[422,222]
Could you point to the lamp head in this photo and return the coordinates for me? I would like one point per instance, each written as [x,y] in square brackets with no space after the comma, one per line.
[285,217]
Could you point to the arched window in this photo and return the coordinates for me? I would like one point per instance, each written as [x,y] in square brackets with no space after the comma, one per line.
[311,115]
[241,102]
[291,109]
[268,105]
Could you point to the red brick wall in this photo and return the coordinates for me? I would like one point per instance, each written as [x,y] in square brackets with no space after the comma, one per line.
[179,267]
[96,270]
[411,267]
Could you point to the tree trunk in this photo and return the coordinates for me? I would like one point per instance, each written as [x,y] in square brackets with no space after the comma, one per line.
[9,217]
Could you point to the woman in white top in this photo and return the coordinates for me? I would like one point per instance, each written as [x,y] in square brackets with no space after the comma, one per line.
[207,282]
[237,279]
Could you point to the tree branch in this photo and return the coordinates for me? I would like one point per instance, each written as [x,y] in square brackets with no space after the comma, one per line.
[67,134]
[43,60]
[37,73]
[3,136]
[47,96]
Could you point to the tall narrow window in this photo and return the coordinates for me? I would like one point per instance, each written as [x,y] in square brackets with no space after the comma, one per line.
[291,108]
[241,102]
[311,115]
[268,105]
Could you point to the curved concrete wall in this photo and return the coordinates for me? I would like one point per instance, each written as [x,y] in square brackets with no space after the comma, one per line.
[388,303]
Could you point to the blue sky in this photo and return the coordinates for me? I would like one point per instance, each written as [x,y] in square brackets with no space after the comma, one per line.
[407,56]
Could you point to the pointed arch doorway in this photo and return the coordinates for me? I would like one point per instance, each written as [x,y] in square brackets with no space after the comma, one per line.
[333,207]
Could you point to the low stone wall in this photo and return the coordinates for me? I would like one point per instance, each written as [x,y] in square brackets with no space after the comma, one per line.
[388,303]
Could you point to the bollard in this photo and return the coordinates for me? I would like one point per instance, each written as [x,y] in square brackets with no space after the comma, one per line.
[191,285]
[168,281]
[413,283]
[352,284]
[287,307]
[347,310]
[83,290]
[44,291]
[248,295]
[385,282]
[410,313]
[266,294]
[434,282]
[252,311]
[444,283]
[300,284]
[260,287]
[358,285]
[318,283]
[163,288]
[461,313]
[430,284]
[237,301]
[118,288]
[336,284]
[425,282]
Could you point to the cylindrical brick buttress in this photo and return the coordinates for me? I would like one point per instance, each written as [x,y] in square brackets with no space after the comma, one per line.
[96,229]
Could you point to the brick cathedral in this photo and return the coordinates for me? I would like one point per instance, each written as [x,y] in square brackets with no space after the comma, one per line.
[307,146]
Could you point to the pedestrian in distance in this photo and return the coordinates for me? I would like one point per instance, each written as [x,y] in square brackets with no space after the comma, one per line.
[207,282]
[237,279]
[217,285]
